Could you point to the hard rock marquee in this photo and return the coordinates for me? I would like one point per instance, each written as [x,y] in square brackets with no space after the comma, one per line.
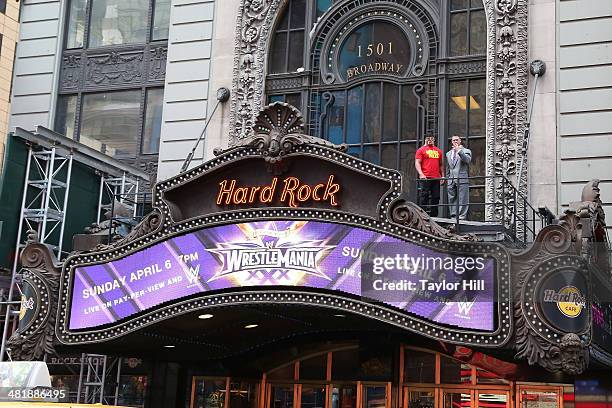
[206,242]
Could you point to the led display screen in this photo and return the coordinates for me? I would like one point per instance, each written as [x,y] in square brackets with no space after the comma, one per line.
[452,289]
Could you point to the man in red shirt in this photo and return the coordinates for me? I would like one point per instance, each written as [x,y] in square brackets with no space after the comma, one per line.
[429,163]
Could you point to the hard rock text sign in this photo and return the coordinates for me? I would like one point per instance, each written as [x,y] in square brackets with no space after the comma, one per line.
[290,191]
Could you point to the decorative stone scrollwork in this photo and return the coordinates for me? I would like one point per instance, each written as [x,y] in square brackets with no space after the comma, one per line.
[150,223]
[409,214]
[157,63]
[537,339]
[278,130]
[465,67]
[71,72]
[509,104]
[114,68]
[42,272]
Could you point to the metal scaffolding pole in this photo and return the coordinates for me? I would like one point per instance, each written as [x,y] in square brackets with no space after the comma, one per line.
[43,209]
[125,188]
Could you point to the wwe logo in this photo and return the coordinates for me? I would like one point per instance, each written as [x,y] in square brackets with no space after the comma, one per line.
[465,307]
[193,274]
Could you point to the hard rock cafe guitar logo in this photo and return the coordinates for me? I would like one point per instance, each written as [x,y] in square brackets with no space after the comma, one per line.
[270,256]
[569,300]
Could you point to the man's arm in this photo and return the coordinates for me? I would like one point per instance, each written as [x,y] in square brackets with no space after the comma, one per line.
[465,155]
[417,165]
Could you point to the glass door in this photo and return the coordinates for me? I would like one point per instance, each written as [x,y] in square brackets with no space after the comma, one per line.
[419,397]
[343,396]
[493,399]
[208,392]
[456,398]
[539,397]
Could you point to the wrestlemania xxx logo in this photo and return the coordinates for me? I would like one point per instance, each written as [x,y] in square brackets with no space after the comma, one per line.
[270,256]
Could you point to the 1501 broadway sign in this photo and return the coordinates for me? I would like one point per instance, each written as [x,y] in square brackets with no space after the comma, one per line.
[449,289]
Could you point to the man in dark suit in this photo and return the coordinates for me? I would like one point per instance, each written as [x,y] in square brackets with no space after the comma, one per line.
[457,172]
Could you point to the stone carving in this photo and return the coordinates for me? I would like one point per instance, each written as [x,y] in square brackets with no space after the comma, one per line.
[509,104]
[254,22]
[279,128]
[150,223]
[284,83]
[114,68]
[42,270]
[573,354]
[587,222]
[570,356]
[409,214]
[564,242]
[465,67]
[71,72]
[157,63]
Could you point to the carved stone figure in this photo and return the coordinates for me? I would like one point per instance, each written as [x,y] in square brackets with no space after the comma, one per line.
[587,222]
[574,355]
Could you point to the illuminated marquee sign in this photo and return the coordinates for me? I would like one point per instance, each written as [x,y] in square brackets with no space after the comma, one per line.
[290,191]
[457,290]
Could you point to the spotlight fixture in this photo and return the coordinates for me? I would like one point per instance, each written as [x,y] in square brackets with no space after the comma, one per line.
[251,326]
[205,316]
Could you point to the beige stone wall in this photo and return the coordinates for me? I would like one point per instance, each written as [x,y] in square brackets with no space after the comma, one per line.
[542,154]
[9,28]
[222,70]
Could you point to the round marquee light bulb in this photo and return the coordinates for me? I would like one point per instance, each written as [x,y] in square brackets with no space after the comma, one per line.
[251,326]
[205,316]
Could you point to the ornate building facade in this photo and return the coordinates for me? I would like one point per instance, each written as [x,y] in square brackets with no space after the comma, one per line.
[321,91]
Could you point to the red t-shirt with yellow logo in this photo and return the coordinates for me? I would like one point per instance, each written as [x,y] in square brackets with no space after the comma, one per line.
[431,157]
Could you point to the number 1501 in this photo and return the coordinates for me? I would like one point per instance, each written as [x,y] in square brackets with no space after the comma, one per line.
[378,49]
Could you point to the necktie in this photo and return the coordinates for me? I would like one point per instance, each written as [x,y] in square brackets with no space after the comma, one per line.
[454,155]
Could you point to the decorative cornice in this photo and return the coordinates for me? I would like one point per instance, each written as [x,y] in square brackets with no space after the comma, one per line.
[124,67]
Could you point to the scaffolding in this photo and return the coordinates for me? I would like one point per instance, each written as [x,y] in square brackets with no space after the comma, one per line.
[46,190]
[96,373]
[119,188]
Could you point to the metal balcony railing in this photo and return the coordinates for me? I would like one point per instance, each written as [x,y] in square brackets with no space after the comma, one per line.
[519,220]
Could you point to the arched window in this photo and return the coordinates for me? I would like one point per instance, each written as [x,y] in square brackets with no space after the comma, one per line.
[378,76]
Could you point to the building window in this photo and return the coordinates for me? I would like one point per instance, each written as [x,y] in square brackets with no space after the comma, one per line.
[113,122]
[161,20]
[467,28]
[287,53]
[152,125]
[294,99]
[110,122]
[76,26]
[467,118]
[65,116]
[116,22]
